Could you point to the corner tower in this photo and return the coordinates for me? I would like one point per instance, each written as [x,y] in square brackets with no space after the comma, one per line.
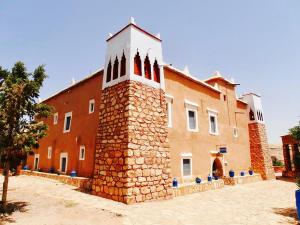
[132,159]
[259,148]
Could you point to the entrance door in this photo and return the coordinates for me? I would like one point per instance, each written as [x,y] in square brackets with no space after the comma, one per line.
[36,162]
[63,164]
[217,168]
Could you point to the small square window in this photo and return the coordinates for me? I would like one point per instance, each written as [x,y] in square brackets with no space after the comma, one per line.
[186,167]
[49,152]
[192,120]
[213,122]
[91,106]
[68,120]
[55,118]
[82,152]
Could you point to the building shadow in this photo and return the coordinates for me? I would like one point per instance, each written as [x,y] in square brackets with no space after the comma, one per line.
[288,212]
[5,213]
[286,179]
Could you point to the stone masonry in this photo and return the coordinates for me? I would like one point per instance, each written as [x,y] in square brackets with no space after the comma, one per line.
[132,159]
[259,150]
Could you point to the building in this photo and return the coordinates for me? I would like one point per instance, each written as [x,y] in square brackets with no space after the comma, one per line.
[276,152]
[290,149]
[138,123]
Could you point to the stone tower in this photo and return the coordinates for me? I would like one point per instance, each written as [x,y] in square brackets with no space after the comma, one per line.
[132,159]
[259,148]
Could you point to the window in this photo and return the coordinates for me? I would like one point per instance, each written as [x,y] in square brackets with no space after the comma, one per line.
[108,72]
[116,69]
[186,164]
[147,68]
[156,72]
[251,115]
[137,65]
[36,161]
[49,152]
[123,65]
[192,117]
[235,132]
[82,152]
[213,122]
[91,106]
[63,164]
[169,100]
[68,120]
[55,118]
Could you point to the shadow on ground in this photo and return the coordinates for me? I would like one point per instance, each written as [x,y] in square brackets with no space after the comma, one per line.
[287,179]
[5,213]
[288,212]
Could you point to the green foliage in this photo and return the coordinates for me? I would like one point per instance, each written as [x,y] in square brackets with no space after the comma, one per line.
[277,162]
[295,132]
[20,128]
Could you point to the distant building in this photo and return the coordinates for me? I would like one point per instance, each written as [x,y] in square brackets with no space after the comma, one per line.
[138,123]
[276,152]
[290,149]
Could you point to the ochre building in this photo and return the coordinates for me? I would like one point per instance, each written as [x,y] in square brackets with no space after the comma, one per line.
[138,123]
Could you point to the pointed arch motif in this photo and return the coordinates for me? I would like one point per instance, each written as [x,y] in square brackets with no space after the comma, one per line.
[251,115]
[108,72]
[123,65]
[116,69]
[156,72]
[147,68]
[137,64]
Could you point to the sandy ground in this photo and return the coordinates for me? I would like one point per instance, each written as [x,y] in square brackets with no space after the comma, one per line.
[51,202]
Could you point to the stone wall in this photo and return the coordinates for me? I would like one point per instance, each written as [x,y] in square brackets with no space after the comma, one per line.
[259,150]
[132,159]
[242,179]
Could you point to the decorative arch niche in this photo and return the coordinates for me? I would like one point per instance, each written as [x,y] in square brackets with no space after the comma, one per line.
[108,72]
[156,72]
[137,64]
[147,68]
[116,68]
[123,65]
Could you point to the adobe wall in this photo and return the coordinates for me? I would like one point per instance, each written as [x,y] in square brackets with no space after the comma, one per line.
[260,152]
[132,160]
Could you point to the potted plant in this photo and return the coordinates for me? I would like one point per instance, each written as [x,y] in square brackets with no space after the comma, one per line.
[73,173]
[175,182]
[198,180]
[209,178]
[297,195]
[250,171]
[231,173]
[242,173]
[216,177]
[51,170]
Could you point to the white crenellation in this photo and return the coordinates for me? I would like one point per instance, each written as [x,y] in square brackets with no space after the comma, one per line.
[255,106]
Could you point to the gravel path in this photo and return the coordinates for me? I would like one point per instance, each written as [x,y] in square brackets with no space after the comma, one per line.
[51,202]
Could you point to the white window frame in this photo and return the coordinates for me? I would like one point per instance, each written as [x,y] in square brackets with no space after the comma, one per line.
[169,100]
[65,122]
[49,155]
[213,113]
[186,156]
[191,106]
[63,155]
[55,118]
[235,132]
[36,156]
[91,102]
[82,147]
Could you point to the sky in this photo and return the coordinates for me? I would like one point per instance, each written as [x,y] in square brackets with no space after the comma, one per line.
[256,42]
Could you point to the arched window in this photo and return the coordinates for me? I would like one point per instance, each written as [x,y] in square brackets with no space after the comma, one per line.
[137,64]
[156,72]
[116,69]
[123,66]
[147,68]
[108,72]
[258,115]
[251,115]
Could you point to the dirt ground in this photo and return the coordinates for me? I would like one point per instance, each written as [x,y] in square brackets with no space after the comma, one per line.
[45,201]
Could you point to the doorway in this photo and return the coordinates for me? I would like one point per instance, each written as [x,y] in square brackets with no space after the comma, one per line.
[36,161]
[217,168]
[63,162]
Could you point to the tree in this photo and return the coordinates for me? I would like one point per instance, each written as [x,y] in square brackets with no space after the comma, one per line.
[295,133]
[20,114]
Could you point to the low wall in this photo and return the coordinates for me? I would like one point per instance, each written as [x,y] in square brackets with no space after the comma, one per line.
[278,169]
[242,179]
[289,173]
[190,188]
[80,182]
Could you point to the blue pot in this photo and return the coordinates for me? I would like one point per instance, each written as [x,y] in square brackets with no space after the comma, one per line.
[73,173]
[297,195]
[242,173]
[209,178]
[198,180]
[231,173]
[25,167]
[175,182]
[250,172]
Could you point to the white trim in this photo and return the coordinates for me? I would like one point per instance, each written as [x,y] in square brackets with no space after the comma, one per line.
[190,104]
[169,101]
[169,97]
[187,154]
[49,155]
[91,102]
[196,119]
[82,147]
[209,110]
[63,155]
[55,118]
[191,166]
[235,134]
[65,122]
[36,167]
[215,115]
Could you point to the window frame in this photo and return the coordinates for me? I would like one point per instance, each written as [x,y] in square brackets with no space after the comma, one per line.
[55,118]
[169,102]
[190,106]
[91,102]
[63,155]
[36,167]
[49,156]
[235,134]
[213,113]
[82,147]
[68,114]
[187,156]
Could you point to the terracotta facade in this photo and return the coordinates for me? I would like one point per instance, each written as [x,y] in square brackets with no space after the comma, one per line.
[290,148]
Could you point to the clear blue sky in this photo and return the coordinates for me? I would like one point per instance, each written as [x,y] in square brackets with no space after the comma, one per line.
[256,42]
